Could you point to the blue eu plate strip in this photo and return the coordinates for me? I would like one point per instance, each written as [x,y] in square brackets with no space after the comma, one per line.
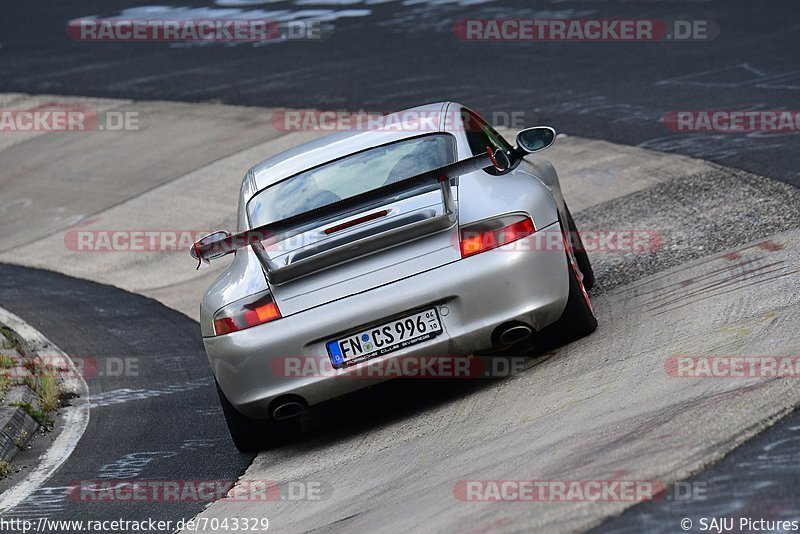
[336,354]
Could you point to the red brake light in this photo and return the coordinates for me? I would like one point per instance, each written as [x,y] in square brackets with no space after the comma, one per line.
[354,222]
[493,233]
[245,313]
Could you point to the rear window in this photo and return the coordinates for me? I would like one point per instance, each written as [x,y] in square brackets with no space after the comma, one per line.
[350,176]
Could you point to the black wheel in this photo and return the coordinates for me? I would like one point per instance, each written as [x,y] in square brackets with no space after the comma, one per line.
[253,435]
[578,319]
[579,250]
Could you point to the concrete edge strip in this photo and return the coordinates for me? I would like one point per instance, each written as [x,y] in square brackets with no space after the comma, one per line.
[75,417]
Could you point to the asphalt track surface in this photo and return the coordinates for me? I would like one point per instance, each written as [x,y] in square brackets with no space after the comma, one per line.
[158,420]
[595,407]
[613,91]
[391,55]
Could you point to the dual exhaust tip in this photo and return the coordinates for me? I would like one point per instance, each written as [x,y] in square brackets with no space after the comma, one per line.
[288,409]
[512,333]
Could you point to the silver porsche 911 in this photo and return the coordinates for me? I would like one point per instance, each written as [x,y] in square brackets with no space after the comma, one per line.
[402,241]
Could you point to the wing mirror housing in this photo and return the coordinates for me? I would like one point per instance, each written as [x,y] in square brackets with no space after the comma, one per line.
[534,139]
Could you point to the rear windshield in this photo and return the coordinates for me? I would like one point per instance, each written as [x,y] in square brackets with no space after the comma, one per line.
[350,176]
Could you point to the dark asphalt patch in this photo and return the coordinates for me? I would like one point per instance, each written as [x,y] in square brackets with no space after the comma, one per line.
[400,56]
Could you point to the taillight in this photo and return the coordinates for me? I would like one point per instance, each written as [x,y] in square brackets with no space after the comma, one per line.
[244,313]
[492,233]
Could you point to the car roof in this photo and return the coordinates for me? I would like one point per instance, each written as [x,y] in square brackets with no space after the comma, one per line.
[336,145]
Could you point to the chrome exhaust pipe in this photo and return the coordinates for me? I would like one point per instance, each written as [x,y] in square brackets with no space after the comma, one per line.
[287,410]
[514,334]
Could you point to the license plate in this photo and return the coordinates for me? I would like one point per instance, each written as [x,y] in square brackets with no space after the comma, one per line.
[388,337]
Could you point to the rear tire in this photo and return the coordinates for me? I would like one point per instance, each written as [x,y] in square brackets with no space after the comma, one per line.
[578,319]
[581,257]
[253,435]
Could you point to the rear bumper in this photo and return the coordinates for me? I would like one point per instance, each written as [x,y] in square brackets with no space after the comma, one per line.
[479,293]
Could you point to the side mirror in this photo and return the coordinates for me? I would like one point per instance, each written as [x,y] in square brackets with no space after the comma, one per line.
[535,139]
[208,239]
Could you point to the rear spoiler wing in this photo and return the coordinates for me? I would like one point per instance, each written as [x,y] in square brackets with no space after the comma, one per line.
[269,234]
